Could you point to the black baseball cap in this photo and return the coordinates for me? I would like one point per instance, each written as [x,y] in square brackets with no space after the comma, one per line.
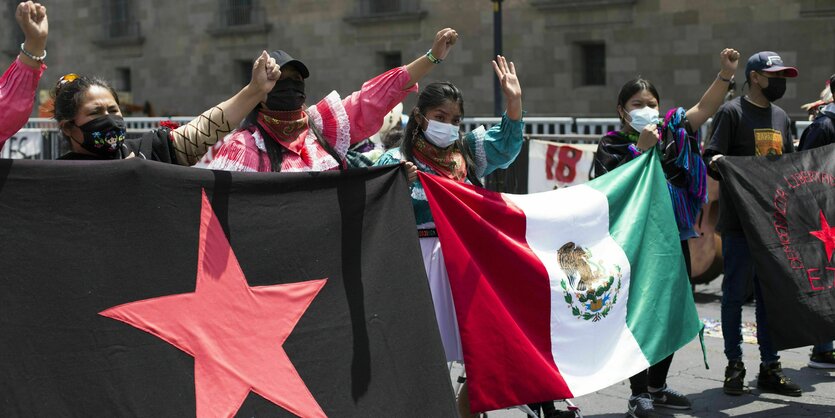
[768,62]
[282,58]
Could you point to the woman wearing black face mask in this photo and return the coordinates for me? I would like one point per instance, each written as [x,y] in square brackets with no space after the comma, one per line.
[87,111]
[280,134]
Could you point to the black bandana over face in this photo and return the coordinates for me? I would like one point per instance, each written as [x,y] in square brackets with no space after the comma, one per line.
[288,94]
[103,136]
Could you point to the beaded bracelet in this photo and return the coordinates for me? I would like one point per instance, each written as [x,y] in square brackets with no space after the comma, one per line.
[29,54]
[432,57]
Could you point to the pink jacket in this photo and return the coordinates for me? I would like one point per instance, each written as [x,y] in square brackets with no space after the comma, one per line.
[342,122]
[17,95]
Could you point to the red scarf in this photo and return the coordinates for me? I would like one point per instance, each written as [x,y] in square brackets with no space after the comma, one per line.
[288,128]
[447,162]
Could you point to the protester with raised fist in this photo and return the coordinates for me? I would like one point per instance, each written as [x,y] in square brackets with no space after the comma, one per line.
[19,82]
[88,114]
[282,134]
[676,137]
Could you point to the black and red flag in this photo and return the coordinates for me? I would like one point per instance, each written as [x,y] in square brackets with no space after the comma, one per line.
[787,209]
[134,288]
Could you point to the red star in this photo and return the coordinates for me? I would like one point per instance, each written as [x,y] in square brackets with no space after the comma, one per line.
[827,235]
[234,332]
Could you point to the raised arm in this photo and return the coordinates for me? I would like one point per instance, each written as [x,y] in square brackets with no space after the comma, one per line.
[715,94]
[499,146]
[19,82]
[366,107]
[193,139]
[420,67]
[31,17]
[510,86]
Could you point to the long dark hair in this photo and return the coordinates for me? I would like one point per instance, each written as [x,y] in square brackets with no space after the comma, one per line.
[630,89]
[432,96]
[67,97]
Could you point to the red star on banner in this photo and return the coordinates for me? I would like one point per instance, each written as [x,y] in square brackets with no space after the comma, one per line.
[827,235]
[234,332]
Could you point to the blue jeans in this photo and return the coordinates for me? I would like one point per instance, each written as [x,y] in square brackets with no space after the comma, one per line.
[739,270]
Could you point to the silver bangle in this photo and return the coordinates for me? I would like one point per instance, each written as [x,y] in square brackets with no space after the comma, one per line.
[29,54]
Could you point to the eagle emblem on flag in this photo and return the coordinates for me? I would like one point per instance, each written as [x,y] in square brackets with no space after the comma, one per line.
[591,285]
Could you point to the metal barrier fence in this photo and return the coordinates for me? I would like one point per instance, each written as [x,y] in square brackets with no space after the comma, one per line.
[562,129]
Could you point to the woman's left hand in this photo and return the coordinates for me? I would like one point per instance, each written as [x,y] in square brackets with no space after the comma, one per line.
[507,77]
[411,171]
[728,60]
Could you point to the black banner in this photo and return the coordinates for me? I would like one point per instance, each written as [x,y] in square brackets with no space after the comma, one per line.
[787,209]
[100,260]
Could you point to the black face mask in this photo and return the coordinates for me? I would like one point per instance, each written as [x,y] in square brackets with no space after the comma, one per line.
[104,135]
[775,90]
[288,94]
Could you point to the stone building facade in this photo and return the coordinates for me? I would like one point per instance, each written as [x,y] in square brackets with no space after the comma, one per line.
[572,55]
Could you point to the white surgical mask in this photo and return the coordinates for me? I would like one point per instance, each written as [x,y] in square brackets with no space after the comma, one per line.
[640,118]
[440,134]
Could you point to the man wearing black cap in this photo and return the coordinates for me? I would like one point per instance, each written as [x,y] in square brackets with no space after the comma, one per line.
[749,125]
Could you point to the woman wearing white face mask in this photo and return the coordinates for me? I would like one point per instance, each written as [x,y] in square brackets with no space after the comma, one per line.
[433,143]
[643,128]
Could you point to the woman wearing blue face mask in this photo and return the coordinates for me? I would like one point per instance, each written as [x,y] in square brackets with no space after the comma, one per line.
[644,128]
[433,143]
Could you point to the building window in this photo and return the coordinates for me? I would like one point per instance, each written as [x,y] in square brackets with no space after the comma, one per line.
[593,62]
[238,12]
[123,82]
[244,71]
[389,60]
[573,5]
[239,17]
[817,8]
[120,21]
[376,11]
[384,7]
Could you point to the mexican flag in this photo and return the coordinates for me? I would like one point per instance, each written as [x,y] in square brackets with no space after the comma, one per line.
[562,293]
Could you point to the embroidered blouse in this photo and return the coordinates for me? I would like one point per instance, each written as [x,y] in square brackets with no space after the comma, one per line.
[493,148]
[17,96]
[342,122]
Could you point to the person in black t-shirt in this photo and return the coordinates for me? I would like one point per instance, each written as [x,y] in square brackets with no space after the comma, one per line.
[821,133]
[749,125]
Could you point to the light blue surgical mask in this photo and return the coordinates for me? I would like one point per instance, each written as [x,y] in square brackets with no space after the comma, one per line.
[440,134]
[640,118]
